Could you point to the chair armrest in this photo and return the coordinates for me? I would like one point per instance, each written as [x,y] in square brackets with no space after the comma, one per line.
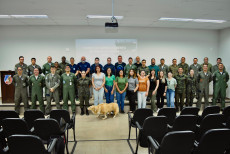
[130,116]
[196,144]
[5,150]
[138,125]
[32,130]
[198,126]
[52,145]
[170,127]
[153,142]
[66,127]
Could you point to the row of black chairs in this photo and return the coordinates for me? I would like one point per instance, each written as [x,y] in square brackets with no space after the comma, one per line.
[35,123]
[166,121]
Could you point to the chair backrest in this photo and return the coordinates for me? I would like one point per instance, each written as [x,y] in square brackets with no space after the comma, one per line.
[170,114]
[210,110]
[26,144]
[190,111]
[12,126]
[141,114]
[177,142]
[31,115]
[60,113]
[185,122]
[156,127]
[46,128]
[211,121]
[226,113]
[7,114]
[214,141]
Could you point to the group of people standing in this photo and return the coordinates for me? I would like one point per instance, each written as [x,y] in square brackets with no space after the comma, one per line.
[68,81]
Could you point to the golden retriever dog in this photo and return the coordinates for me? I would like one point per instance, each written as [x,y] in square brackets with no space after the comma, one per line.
[104,108]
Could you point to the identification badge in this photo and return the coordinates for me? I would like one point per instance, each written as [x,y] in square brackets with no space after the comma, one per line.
[63,82]
[70,83]
[73,68]
[31,73]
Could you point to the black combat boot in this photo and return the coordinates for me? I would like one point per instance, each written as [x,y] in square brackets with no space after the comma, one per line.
[86,111]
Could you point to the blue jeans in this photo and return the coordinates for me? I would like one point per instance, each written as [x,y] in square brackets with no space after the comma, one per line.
[98,96]
[109,97]
[170,98]
[120,100]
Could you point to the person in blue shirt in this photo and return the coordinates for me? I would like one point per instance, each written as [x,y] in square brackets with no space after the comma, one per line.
[119,65]
[93,66]
[84,66]
[73,67]
[109,65]
[153,66]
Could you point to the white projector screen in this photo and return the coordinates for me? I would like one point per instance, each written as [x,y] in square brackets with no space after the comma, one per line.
[104,48]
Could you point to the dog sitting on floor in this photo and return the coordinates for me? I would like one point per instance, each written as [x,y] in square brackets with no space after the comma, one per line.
[104,109]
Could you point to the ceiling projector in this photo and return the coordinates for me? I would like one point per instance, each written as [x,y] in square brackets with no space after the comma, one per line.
[111,24]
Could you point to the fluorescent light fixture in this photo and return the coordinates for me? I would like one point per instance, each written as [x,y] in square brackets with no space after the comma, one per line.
[208,20]
[175,19]
[29,16]
[192,20]
[4,16]
[103,17]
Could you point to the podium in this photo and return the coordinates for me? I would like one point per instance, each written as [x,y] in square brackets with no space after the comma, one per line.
[7,90]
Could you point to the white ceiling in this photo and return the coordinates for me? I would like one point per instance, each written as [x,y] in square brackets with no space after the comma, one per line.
[139,13]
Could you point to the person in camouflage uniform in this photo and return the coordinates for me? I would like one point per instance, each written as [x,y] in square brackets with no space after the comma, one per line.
[204,78]
[180,89]
[208,64]
[215,67]
[130,66]
[52,84]
[37,82]
[174,68]
[184,66]
[63,64]
[22,65]
[143,67]
[164,68]
[220,79]
[68,81]
[20,82]
[83,84]
[195,67]
[191,88]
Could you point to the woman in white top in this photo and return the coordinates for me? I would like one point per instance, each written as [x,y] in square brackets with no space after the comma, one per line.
[98,81]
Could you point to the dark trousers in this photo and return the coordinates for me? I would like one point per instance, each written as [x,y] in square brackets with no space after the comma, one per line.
[160,100]
[132,98]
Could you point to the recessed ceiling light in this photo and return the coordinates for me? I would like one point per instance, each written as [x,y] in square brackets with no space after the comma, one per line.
[29,16]
[103,17]
[192,20]
[4,16]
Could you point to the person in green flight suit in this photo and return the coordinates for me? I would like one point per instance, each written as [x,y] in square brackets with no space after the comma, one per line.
[37,82]
[174,68]
[83,84]
[181,79]
[46,66]
[20,82]
[68,81]
[207,63]
[203,78]
[220,79]
[184,66]
[52,84]
[191,87]
[22,65]
[130,66]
